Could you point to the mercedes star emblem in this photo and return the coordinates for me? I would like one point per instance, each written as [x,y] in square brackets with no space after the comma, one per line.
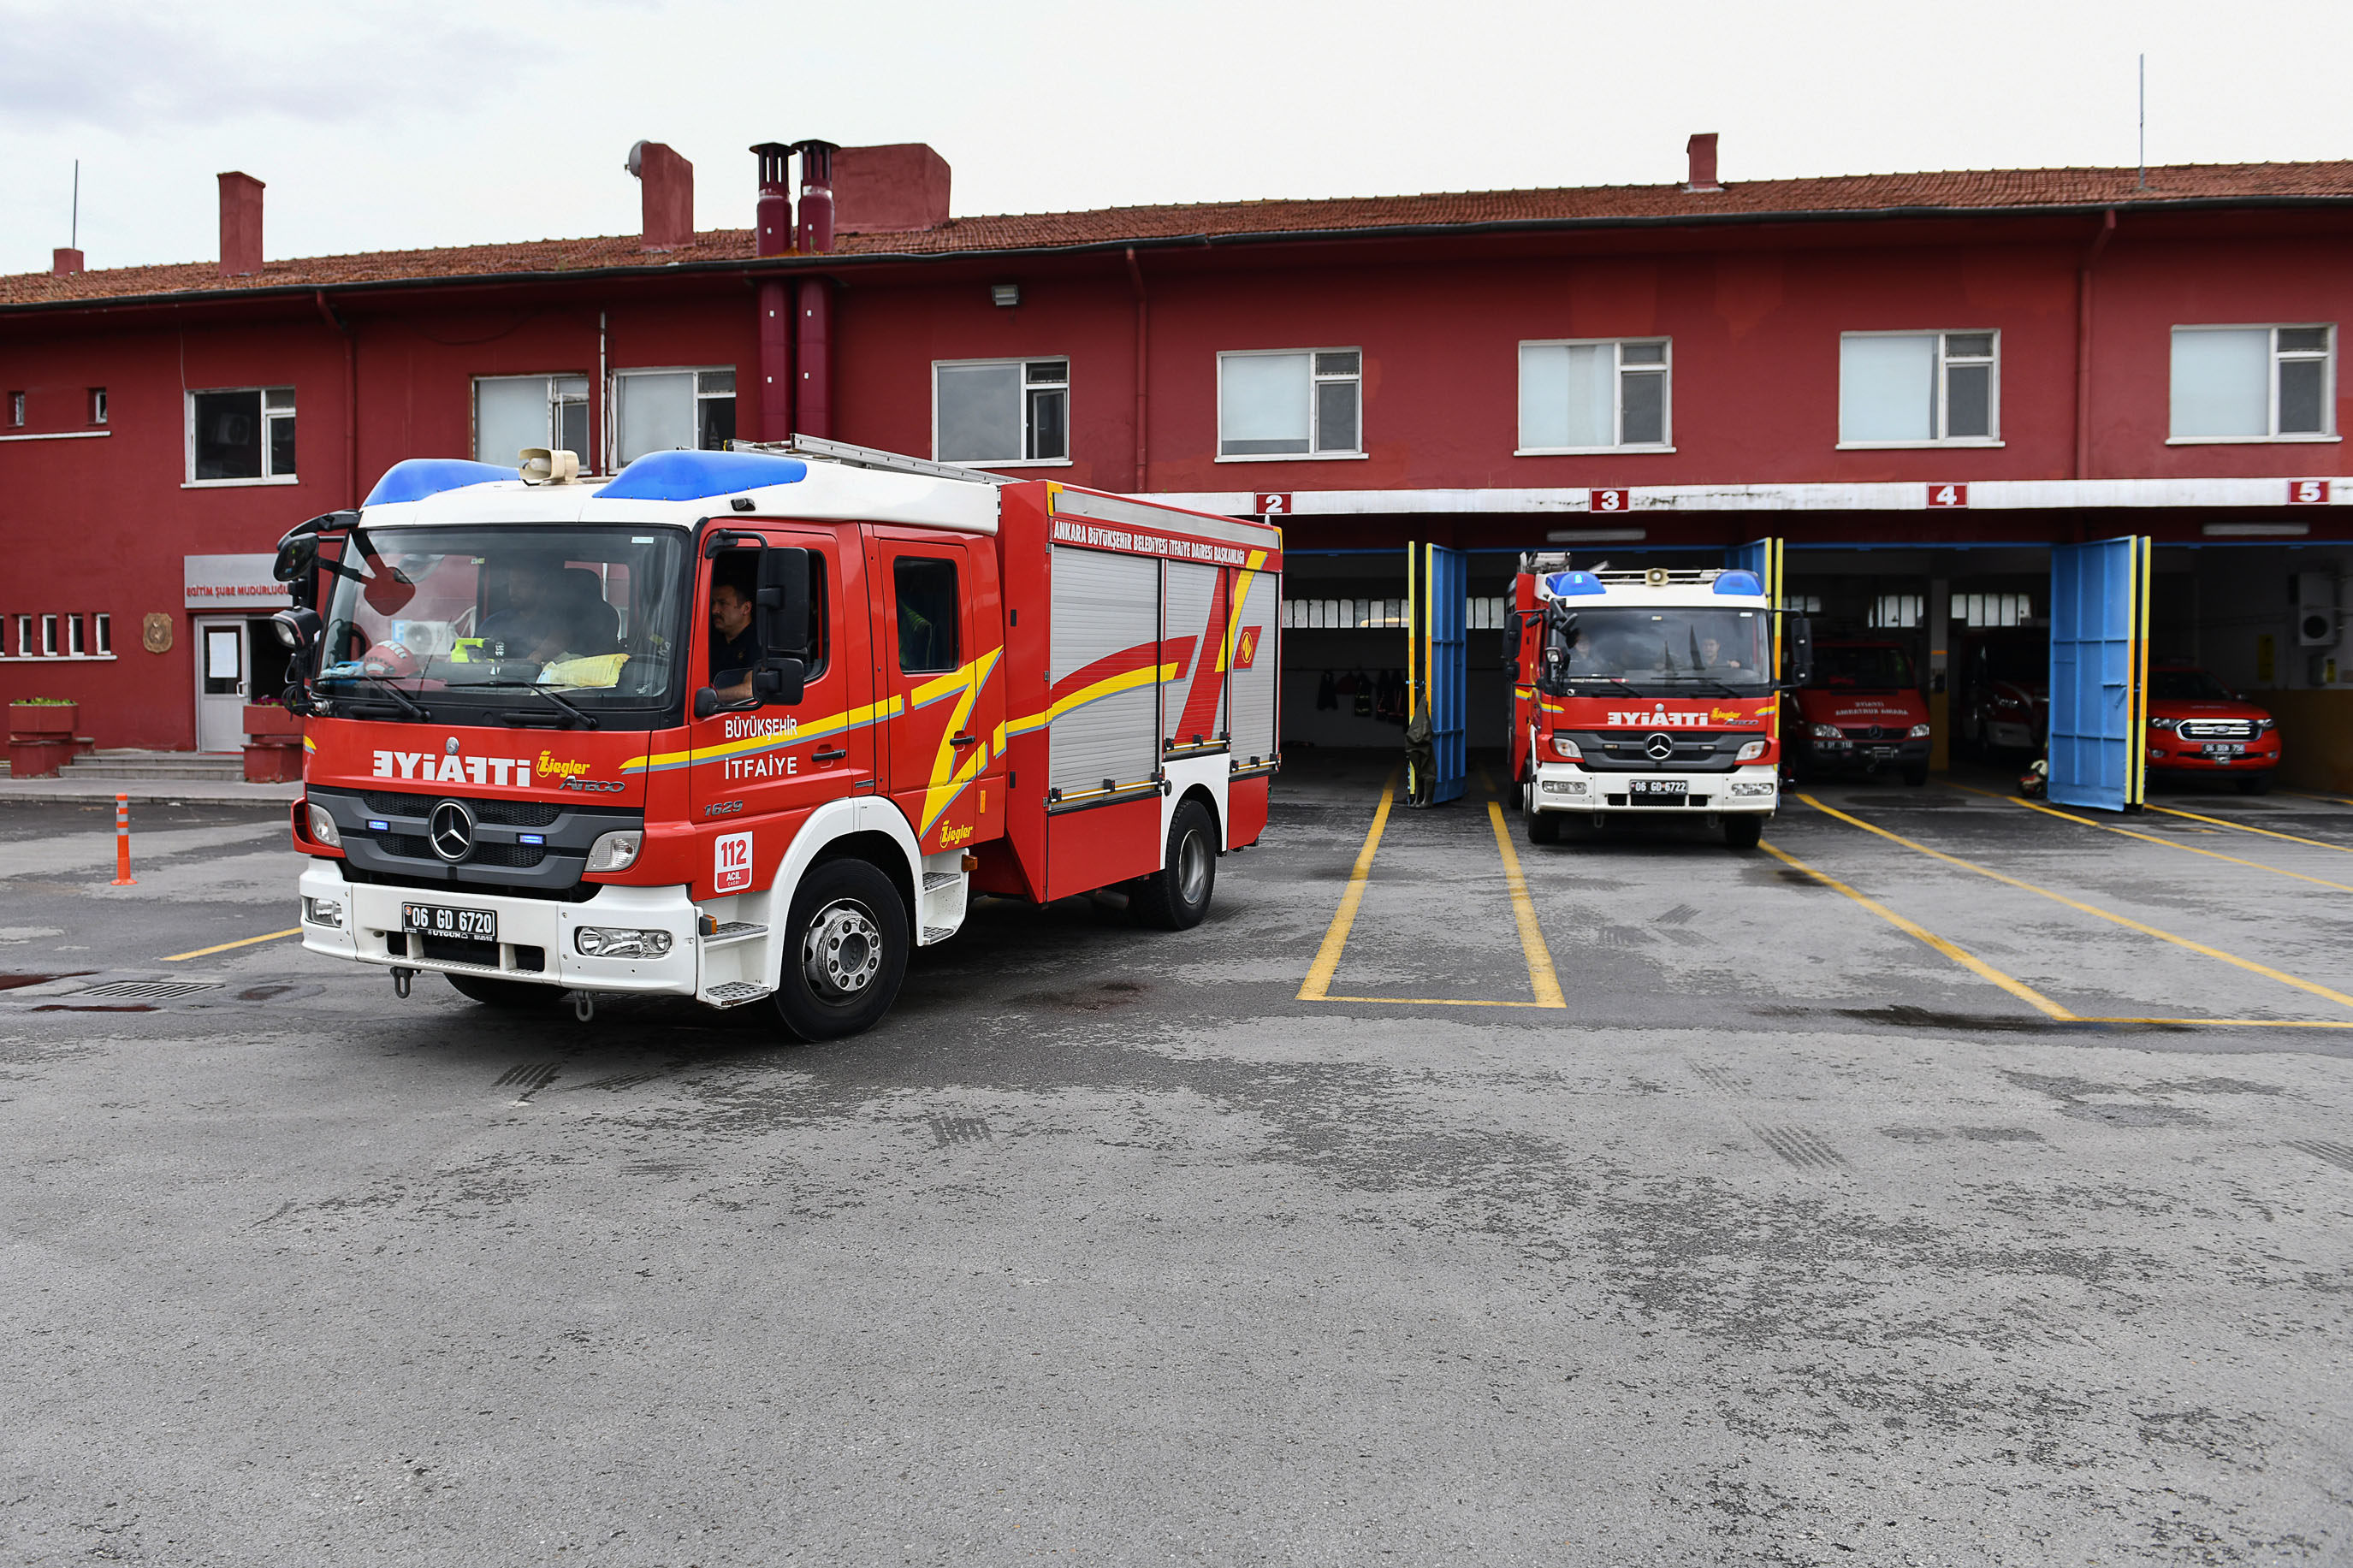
[452,831]
[449,748]
[1658,748]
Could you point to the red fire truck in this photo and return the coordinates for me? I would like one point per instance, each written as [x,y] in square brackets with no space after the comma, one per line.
[1646,694]
[746,726]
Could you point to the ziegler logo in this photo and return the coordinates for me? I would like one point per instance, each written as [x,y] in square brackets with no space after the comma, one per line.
[595,787]
[568,771]
[955,834]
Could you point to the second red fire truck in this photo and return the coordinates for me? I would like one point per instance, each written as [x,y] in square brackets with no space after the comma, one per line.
[747,727]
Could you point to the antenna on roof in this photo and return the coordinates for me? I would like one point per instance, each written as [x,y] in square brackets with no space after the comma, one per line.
[2144,122]
[75,229]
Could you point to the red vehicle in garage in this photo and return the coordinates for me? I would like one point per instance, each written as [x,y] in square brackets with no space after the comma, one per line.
[1862,711]
[2002,697]
[2201,729]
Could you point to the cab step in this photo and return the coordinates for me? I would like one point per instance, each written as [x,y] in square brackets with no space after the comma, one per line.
[735,994]
[935,934]
[734,930]
[933,880]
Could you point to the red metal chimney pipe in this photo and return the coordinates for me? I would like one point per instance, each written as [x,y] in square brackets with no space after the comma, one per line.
[666,196]
[240,224]
[1702,150]
[772,225]
[817,197]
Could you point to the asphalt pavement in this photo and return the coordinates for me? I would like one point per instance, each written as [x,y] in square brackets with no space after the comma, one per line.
[1949,1183]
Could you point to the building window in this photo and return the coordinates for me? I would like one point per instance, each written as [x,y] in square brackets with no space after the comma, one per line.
[49,637]
[2254,383]
[1302,404]
[1896,612]
[1001,412]
[241,435]
[671,410]
[104,626]
[1993,609]
[514,412]
[16,409]
[1593,396]
[98,405]
[1919,389]
[23,637]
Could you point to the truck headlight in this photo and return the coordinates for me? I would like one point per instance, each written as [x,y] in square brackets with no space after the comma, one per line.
[1750,752]
[324,913]
[1922,732]
[1823,731]
[2164,723]
[1567,748]
[604,942]
[323,830]
[2264,726]
[1563,787]
[615,852]
[1752,787]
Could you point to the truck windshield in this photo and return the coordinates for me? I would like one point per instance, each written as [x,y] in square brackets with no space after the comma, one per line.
[1658,651]
[1865,668]
[458,618]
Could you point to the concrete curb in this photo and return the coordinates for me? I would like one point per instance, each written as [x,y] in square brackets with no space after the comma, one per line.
[176,792]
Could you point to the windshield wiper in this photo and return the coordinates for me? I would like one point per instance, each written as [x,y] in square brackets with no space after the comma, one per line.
[401,699]
[1704,681]
[587,720]
[1613,679]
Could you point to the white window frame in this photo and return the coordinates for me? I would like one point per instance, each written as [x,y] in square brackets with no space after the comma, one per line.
[1025,362]
[613,397]
[1993,438]
[16,411]
[188,480]
[1313,377]
[49,637]
[2328,385]
[98,410]
[600,424]
[1666,443]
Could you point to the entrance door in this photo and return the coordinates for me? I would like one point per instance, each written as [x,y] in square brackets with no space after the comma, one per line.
[1437,666]
[224,682]
[2099,672]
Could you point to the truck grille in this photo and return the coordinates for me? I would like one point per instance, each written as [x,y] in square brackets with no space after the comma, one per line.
[415,846]
[503,813]
[456,949]
[1877,732]
[2217,729]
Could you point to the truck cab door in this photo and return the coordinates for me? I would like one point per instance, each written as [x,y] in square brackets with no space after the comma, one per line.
[937,649]
[750,769]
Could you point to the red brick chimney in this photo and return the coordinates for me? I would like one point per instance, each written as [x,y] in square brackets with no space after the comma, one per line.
[240,216]
[898,189]
[667,195]
[1702,148]
[62,261]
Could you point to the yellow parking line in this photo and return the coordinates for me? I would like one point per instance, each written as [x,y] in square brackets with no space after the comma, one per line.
[1432,1001]
[1336,938]
[1541,979]
[2229,1022]
[2249,966]
[2152,838]
[2224,822]
[2324,799]
[1970,961]
[249,941]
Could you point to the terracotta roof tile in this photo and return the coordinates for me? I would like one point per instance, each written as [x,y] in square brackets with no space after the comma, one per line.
[1957,191]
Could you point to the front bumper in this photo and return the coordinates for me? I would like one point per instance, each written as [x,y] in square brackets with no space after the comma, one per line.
[535,935]
[1868,755]
[1755,788]
[2172,756]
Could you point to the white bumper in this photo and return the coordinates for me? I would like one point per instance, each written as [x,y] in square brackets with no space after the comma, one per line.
[371,932]
[1754,789]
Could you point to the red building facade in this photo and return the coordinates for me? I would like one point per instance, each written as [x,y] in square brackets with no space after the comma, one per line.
[1449,351]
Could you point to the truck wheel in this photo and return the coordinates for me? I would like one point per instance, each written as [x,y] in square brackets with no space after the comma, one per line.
[1745,831]
[515,996]
[2254,784]
[845,952]
[1916,775]
[1544,827]
[1176,897]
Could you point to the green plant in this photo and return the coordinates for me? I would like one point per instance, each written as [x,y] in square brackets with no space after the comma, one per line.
[41,702]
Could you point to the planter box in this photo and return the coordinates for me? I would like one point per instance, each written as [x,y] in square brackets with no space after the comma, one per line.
[275,760]
[38,759]
[268,719]
[39,721]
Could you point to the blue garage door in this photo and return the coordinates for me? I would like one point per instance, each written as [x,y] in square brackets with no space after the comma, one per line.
[1763,556]
[2099,672]
[1437,667]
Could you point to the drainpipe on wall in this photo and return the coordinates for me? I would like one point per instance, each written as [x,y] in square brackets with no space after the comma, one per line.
[350,394]
[1142,394]
[774,414]
[2083,345]
[812,353]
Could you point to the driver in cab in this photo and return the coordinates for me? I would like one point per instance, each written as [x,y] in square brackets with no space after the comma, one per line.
[733,650]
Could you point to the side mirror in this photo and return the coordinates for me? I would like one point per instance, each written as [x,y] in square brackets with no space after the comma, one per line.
[1798,650]
[779,682]
[297,566]
[781,605]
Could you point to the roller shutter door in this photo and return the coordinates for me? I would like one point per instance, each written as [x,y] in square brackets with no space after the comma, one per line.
[1256,657]
[1106,623]
[1196,611]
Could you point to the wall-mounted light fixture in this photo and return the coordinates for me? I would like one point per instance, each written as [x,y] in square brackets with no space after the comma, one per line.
[1004,296]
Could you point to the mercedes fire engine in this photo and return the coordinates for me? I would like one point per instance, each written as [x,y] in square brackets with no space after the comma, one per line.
[1648,694]
[747,726]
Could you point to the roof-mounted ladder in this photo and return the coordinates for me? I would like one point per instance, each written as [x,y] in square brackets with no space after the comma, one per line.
[820,450]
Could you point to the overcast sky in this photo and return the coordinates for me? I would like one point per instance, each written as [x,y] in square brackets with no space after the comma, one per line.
[433,123]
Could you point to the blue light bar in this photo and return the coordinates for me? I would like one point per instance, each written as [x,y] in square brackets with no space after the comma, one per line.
[692,476]
[414,479]
[1562,584]
[377,826]
[1739,583]
[531,837]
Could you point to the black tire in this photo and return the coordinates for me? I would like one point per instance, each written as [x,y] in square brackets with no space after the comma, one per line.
[1544,827]
[1916,775]
[511,995]
[1176,897]
[845,952]
[1745,831]
[2254,784]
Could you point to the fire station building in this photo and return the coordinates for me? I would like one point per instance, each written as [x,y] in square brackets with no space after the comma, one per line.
[1927,397]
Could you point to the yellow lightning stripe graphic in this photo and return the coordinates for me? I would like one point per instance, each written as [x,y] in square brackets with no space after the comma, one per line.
[948,779]
[816,729]
[1234,617]
[1148,675]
